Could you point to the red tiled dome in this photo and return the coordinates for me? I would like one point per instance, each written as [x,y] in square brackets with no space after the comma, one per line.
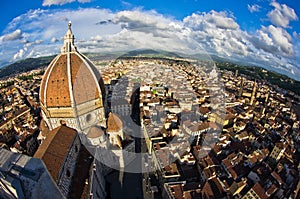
[72,90]
[70,78]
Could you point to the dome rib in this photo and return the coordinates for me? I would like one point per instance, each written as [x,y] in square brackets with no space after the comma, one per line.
[44,85]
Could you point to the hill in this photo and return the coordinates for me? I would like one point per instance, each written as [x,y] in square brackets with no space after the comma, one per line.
[24,66]
[255,72]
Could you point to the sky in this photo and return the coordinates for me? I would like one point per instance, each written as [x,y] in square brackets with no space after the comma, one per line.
[258,32]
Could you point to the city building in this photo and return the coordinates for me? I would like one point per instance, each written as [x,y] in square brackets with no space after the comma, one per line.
[276,153]
[181,190]
[257,191]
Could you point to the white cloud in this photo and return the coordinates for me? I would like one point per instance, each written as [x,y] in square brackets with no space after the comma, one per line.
[253,8]
[15,35]
[20,54]
[274,40]
[53,40]
[211,19]
[100,30]
[56,2]
[62,2]
[281,15]
[226,39]
[39,41]
[282,39]
[126,4]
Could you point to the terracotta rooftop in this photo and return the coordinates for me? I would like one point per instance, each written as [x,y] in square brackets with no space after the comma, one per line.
[277,177]
[204,110]
[212,189]
[55,87]
[185,191]
[259,190]
[54,149]
[271,190]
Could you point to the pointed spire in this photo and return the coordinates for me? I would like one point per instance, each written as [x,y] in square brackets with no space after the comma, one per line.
[69,41]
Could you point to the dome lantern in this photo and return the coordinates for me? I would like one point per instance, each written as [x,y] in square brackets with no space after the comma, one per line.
[69,41]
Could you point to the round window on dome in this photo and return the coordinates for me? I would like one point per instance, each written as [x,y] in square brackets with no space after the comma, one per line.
[90,118]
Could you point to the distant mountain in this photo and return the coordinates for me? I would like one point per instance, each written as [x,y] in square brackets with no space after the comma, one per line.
[218,59]
[24,66]
[259,73]
[150,53]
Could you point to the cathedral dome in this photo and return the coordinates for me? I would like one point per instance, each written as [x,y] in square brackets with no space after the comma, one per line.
[72,87]
[70,78]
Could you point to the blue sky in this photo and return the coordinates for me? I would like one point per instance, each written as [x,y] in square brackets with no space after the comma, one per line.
[260,32]
[175,8]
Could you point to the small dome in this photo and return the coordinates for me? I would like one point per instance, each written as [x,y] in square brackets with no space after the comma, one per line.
[95,132]
[114,123]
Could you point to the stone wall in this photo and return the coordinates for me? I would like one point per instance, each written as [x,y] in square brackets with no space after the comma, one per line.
[67,171]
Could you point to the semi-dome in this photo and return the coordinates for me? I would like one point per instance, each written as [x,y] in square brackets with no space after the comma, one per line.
[72,87]
[96,135]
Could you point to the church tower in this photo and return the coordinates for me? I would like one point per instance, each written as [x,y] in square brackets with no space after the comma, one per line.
[253,94]
[241,87]
[72,90]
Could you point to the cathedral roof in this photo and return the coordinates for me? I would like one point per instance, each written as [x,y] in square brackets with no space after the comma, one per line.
[54,149]
[70,78]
